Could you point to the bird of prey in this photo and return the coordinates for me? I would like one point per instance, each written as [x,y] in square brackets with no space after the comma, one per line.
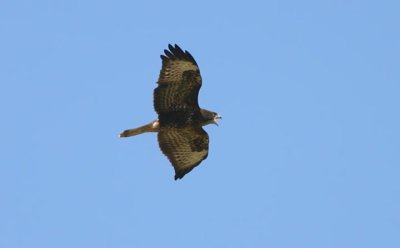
[180,119]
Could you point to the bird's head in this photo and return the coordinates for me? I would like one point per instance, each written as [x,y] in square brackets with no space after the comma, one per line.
[210,117]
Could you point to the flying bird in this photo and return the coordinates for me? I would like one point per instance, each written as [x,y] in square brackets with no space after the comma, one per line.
[180,119]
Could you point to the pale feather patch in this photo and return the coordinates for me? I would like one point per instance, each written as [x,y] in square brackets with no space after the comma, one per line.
[155,124]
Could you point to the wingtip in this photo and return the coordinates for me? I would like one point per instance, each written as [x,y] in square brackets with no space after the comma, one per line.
[178,176]
[176,52]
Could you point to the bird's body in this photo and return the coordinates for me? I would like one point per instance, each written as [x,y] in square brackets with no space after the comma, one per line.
[180,119]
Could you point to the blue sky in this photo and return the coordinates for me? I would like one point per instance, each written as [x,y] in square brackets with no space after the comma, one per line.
[307,154]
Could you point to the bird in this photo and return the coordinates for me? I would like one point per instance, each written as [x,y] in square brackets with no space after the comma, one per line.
[180,121]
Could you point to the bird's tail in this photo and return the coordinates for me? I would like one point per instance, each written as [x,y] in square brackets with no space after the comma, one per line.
[151,127]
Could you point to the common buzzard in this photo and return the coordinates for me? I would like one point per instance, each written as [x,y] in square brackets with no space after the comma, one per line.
[180,119]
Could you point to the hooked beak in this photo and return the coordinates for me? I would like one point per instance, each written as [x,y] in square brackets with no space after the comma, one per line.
[216,118]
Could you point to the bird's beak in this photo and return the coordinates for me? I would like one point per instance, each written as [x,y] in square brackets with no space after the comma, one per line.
[216,118]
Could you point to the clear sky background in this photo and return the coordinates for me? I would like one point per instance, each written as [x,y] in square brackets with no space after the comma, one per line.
[307,154]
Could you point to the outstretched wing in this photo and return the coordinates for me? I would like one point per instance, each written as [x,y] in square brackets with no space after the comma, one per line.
[184,147]
[178,84]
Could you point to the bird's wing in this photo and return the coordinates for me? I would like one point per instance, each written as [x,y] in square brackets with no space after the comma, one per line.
[178,84]
[184,147]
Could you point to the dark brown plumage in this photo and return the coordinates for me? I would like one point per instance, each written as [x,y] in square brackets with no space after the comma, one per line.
[180,119]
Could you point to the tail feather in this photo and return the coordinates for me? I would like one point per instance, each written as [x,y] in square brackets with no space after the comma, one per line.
[151,127]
